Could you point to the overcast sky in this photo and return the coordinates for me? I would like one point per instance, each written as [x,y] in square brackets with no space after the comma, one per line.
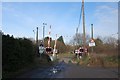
[21,18]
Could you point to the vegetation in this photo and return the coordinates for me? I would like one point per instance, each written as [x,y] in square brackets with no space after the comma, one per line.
[16,53]
[105,52]
[108,45]
[20,52]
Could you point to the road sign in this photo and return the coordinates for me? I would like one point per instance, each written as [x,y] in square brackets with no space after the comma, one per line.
[92,44]
[41,49]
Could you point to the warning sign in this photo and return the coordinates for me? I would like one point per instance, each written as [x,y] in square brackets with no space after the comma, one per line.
[91,43]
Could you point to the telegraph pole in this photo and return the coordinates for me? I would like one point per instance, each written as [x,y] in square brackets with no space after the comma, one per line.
[83,16]
[37,41]
[76,36]
[37,37]
[44,31]
[34,36]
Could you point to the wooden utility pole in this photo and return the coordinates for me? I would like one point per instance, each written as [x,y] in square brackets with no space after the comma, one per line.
[37,41]
[34,36]
[83,17]
[37,37]
[44,31]
[76,37]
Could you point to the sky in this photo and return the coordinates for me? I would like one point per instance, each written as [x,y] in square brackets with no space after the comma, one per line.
[21,18]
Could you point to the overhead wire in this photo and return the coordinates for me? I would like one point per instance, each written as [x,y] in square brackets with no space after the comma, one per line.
[79,19]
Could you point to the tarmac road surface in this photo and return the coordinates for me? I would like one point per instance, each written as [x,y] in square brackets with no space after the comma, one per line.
[69,70]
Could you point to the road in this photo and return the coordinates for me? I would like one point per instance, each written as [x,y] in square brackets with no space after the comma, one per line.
[77,71]
[63,69]
[50,72]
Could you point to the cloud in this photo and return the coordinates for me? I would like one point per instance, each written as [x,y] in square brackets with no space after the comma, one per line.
[106,22]
[11,12]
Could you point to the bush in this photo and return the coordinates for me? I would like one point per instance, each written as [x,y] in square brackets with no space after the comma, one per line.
[16,53]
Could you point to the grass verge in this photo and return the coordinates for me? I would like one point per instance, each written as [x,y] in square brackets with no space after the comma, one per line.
[98,61]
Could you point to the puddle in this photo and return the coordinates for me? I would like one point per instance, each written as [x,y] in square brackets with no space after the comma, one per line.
[53,71]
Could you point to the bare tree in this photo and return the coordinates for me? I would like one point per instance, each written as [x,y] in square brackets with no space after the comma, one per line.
[113,42]
[78,39]
[107,45]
